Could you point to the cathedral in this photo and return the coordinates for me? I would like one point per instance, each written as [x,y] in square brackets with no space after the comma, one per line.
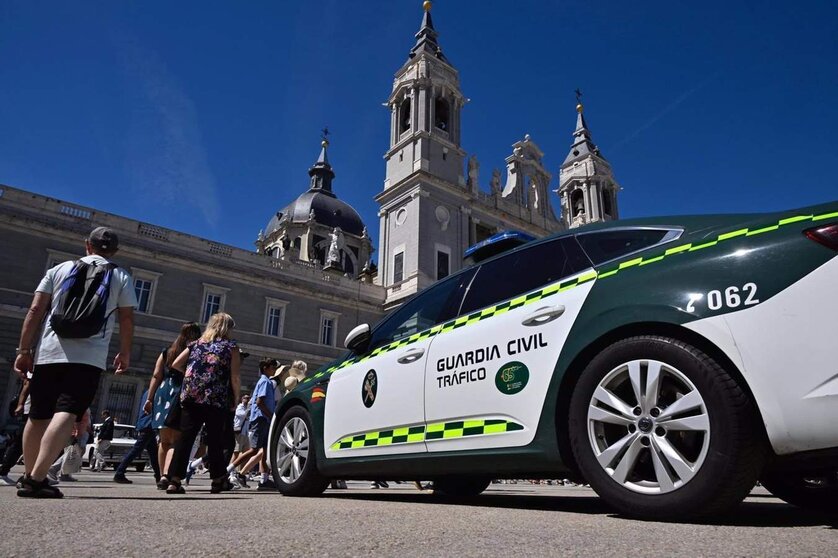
[314,274]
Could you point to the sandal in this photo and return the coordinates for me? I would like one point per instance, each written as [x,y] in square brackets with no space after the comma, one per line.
[175,487]
[163,483]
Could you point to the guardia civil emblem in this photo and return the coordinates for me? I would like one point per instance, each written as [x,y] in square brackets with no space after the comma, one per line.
[369,389]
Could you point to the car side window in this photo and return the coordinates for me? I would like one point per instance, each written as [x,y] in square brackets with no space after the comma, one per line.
[432,306]
[608,245]
[524,271]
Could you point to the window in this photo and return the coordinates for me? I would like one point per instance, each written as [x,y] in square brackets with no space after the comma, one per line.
[441,113]
[328,327]
[120,401]
[213,302]
[274,316]
[404,116]
[524,271]
[142,288]
[145,287]
[432,306]
[398,267]
[54,257]
[611,244]
[443,262]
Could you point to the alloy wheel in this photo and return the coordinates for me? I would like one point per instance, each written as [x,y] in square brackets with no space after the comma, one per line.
[649,426]
[292,450]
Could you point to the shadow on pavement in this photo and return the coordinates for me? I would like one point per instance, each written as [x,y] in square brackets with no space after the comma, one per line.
[748,514]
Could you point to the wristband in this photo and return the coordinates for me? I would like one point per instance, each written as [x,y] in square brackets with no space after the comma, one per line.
[20,351]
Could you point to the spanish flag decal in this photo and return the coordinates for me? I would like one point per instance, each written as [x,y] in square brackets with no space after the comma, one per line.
[317,394]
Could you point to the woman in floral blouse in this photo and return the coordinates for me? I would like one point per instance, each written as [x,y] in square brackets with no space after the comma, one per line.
[211,387]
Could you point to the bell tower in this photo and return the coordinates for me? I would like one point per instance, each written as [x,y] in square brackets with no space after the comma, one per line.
[587,189]
[425,190]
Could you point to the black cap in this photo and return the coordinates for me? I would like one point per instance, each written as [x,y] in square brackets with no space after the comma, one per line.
[104,239]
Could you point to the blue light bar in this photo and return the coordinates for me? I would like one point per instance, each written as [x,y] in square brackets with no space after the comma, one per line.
[495,244]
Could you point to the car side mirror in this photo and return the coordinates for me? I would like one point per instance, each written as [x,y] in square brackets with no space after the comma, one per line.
[358,338]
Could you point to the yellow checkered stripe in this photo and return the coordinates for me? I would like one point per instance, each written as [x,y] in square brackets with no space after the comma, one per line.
[427,432]
[561,286]
[690,247]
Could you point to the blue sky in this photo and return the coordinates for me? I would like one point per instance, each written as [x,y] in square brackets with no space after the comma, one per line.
[205,116]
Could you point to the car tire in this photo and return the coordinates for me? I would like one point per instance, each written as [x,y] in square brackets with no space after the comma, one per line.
[140,468]
[460,486]
[813,491]
[294,455]
[662,431]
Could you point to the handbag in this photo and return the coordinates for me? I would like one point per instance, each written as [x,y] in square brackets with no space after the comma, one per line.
[72,459]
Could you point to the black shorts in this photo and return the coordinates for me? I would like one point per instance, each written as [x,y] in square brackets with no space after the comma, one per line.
[62,388]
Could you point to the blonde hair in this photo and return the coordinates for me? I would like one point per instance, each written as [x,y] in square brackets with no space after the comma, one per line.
[218,327]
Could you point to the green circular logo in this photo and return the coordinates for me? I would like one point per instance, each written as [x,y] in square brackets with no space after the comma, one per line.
[512,377]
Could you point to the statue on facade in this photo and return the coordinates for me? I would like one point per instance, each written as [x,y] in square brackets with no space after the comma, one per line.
[336,241]
[283,244]
[495,183]
[473,173]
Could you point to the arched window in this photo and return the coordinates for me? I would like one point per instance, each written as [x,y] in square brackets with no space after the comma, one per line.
[442,114]
[577,203]
[404,116]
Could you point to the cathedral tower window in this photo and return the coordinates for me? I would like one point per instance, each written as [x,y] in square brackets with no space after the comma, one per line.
[404,116]
[607,204]
[577,203]
[442,114]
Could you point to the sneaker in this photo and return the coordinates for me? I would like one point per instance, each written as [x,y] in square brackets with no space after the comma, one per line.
[52,477]
[223,485]
[6,481]
[19,481]
[266,485]
[67,478]
[234,481]
[35,489]
[242,480]
[190,470]
[122,479]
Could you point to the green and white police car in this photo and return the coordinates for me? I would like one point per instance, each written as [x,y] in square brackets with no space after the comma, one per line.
[669,362]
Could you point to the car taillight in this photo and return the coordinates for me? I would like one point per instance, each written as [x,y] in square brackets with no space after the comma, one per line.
[825,234]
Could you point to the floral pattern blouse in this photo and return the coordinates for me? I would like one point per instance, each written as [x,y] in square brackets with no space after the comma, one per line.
[207,378]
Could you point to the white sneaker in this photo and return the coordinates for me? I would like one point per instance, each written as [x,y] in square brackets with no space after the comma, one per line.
[6,481]
[234,481]
[373,485]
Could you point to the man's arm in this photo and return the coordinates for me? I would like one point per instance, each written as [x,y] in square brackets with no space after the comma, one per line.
[21,400]
[126,336]
[235,375]
[260,402]
[31,327]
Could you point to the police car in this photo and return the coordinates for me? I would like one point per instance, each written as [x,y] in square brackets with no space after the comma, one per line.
[669,362]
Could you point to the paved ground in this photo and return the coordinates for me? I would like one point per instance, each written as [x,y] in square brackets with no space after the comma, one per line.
[100,517]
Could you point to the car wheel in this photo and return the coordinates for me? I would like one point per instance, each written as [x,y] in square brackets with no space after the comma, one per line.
[661,431]
[460,487]
[814,491]
[140,468]
[294,452]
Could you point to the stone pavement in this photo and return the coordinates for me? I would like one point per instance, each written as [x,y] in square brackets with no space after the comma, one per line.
[100,517]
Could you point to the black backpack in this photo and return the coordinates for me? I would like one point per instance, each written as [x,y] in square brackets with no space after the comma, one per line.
[82,300]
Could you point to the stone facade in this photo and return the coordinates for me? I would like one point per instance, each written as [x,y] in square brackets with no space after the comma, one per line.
[313,309]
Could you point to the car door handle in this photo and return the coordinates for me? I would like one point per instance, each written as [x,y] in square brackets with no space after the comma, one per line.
[411,355]
[543,315]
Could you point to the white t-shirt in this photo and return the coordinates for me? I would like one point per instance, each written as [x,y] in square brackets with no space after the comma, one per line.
[91,350]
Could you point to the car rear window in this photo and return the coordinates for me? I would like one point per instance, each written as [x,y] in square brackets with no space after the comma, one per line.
[524,271]
[608,245]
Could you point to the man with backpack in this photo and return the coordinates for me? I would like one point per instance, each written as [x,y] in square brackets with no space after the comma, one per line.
[80,300]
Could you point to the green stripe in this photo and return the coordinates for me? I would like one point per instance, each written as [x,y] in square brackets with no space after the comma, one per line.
[823,216]
[427,432]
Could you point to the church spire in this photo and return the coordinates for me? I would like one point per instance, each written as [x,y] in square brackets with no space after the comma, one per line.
[583,145]
[427,35]
[321,172]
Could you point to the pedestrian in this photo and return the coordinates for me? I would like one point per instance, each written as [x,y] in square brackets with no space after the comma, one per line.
[262,408]
[211,386]
[103,442]
[163,400]
[241,425]
[73,349]
[19,412]
[146,440]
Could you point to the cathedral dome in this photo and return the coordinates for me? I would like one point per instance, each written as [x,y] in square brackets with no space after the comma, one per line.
[319,203]
[328,211]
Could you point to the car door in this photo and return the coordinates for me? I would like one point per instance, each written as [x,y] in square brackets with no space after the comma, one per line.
[376,405]
[487,377]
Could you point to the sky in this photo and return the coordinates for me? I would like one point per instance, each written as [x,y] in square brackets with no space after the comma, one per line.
[204,117]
